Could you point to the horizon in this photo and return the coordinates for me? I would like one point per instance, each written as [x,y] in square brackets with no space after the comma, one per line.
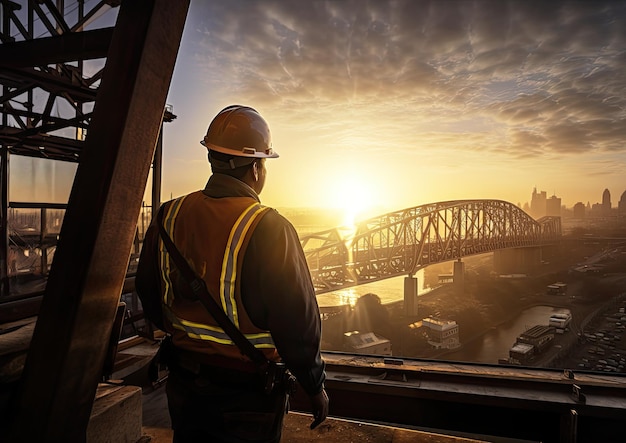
[50,185]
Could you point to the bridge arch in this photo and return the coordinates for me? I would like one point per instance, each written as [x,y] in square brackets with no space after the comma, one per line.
[402,242]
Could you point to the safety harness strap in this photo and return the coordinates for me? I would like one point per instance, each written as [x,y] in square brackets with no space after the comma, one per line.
[201,292]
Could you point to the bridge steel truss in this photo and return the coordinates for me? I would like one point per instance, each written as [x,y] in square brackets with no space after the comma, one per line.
[402,242]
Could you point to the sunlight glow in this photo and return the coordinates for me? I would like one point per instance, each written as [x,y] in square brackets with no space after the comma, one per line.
[353,197]
[347,296]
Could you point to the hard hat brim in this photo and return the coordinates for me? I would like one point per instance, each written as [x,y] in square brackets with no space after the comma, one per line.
[246,152]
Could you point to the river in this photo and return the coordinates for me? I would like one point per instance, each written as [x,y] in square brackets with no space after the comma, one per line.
[488,348]
[389,290]
[495,344]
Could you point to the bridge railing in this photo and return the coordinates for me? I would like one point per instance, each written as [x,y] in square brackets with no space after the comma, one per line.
[33,230]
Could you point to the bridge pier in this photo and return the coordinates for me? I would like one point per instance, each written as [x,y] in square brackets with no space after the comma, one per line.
[410,296]
[458,276]
[516,260]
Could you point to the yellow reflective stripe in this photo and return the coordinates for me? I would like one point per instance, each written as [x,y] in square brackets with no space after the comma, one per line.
[168,223]
[265,346]
[226,341]
[192,324]
[229,263]
[215,334]
[227,277]
[173,319]
[207,337]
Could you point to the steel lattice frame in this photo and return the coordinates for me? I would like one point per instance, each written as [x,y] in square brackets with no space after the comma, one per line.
[52,59]
[47,97]
[51,65]
[402,242]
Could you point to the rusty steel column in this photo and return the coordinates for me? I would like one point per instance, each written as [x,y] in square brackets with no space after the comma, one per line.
[65,361]
[4,220]
[43,228]
[157,171]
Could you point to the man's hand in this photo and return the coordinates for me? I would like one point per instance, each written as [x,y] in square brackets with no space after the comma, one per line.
[319,405]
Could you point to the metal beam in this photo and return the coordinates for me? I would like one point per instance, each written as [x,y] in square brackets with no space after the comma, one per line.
[85,45]
[4,222]
[494,401]
[74,326]
[157,173]
[41,145]
[49,81]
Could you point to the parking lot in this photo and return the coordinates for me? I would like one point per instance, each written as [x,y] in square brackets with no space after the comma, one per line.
[601,344]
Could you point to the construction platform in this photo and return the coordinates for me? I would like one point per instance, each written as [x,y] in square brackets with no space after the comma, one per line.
[296,428]
[332,431]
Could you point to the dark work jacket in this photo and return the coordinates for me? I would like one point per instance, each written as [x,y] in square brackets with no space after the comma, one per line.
[276,287]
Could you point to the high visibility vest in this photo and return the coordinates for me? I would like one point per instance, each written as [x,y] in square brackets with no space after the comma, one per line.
[212,234]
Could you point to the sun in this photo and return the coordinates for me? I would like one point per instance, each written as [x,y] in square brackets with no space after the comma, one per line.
[353,197]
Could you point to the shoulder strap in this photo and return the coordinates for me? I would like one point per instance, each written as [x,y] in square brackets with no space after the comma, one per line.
[201,292]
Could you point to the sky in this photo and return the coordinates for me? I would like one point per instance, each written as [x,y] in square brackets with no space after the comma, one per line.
[394,104]
[383,105]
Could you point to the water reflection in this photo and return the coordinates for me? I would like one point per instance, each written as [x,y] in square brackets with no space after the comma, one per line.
[495,343]
[389,290]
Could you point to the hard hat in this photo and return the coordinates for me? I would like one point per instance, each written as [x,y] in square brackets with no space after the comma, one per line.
[240,131]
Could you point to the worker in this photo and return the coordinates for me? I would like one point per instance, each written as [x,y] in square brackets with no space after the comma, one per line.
[252,263]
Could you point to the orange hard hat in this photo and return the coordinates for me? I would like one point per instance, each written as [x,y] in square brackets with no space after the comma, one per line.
[240,131]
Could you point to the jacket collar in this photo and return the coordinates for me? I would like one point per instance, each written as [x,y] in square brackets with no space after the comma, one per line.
[222,185]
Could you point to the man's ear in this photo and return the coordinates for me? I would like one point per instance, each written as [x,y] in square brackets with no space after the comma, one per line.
[255,171]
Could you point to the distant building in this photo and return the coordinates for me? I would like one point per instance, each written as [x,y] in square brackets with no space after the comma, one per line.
[579,210]
[539,336]
[606,203]
[597,210]
[531,343]
[521,353]
[621,206]
[538,204]
[553,206]
[442,333]
[366,343]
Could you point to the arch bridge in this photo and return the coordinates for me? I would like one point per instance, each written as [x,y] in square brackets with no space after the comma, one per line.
[402,242]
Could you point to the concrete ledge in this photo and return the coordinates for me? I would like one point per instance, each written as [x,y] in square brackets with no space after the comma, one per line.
[296,430]
[116,416]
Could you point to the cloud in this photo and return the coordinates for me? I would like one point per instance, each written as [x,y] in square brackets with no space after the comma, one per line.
[546,77]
